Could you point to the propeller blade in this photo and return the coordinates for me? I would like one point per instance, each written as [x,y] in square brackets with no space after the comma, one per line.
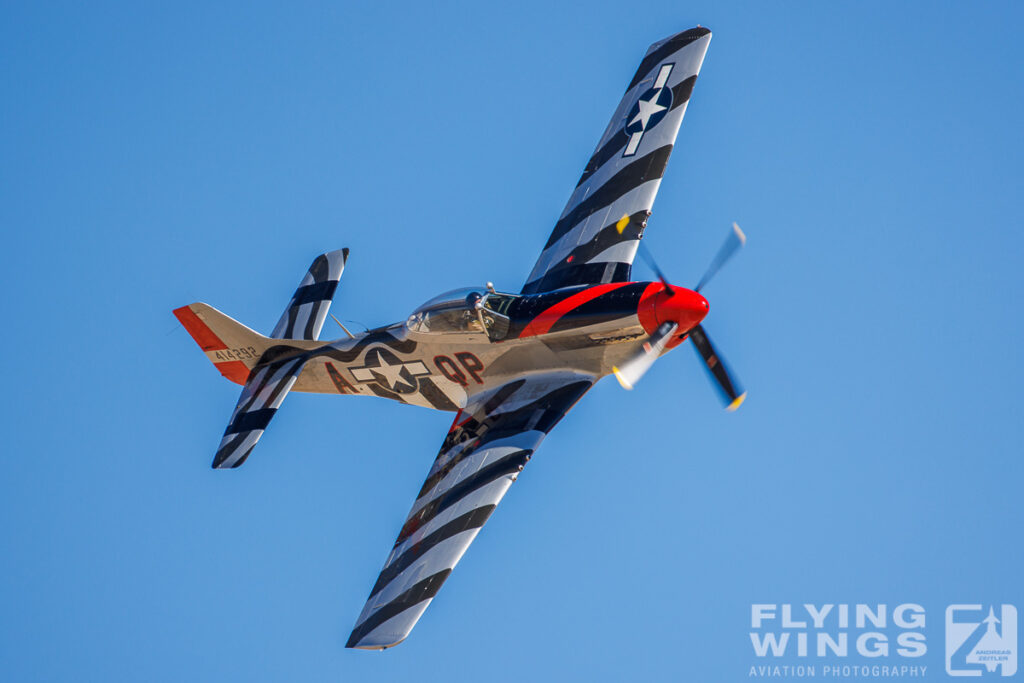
[647,255]
[732,393]
[649,258]
[733,242]
[634,368]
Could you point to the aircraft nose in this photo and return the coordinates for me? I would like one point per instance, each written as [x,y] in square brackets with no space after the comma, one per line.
[685,307]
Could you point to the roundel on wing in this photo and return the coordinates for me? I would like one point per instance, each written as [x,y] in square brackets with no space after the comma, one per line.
[651,108]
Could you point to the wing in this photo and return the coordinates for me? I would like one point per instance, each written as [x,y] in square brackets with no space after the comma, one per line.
[597,235]
[486,448]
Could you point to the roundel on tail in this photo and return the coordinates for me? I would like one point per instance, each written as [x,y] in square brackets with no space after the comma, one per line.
[649,109]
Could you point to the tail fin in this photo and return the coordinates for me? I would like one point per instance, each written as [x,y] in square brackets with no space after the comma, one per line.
[230,345]
[266,367]
[304,317]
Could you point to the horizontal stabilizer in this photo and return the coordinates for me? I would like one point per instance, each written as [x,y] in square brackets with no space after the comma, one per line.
[268,384]
[306,312]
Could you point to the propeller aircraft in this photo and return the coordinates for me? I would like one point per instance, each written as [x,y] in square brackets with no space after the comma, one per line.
[508,365]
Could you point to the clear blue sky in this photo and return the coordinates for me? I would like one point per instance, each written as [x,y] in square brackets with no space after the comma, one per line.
[155,156]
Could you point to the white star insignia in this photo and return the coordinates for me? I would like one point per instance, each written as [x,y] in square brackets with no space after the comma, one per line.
[648,108]
[392,374]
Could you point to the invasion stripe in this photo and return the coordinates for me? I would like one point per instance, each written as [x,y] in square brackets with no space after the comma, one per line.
[473,519]
[575,269]
[231,450]
[249,421]
[681,93]
[241,460]
[246,421]
[490,493]
[505,466]
[538,416]
[315,321]
[473,458]
[648,167]
[604,154]
[321,267]
[278,375]
[287,331]
[469,429]
[492,429]
[434,396]
[609,236]
[424,590]
[227,449]
[674,44]
[315,289]
[318,291]
[280,353]
[582,273]
[641,196]
[541,415]
[259,381]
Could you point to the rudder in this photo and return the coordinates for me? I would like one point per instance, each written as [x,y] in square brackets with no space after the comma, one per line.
[231,346]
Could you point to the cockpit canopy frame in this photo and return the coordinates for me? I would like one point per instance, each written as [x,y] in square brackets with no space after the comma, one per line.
[465,310]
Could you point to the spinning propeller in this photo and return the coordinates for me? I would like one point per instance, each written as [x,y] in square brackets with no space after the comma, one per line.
[634,368]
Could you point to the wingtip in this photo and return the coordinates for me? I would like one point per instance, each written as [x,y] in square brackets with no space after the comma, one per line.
[622,380]
[739,233]
[681,39]
[353,644]
[737,403]
[696,32]
[221,458]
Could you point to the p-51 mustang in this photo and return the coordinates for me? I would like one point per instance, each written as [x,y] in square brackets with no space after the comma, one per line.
[509,366]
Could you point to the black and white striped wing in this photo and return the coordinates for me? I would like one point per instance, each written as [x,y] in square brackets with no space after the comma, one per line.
[268,384]
[596,237]
[306,312]
[488,445]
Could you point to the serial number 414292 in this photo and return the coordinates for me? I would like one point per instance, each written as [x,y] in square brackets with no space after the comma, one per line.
[241,353]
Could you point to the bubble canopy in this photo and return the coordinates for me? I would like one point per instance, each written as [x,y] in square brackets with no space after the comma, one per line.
[455,311]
